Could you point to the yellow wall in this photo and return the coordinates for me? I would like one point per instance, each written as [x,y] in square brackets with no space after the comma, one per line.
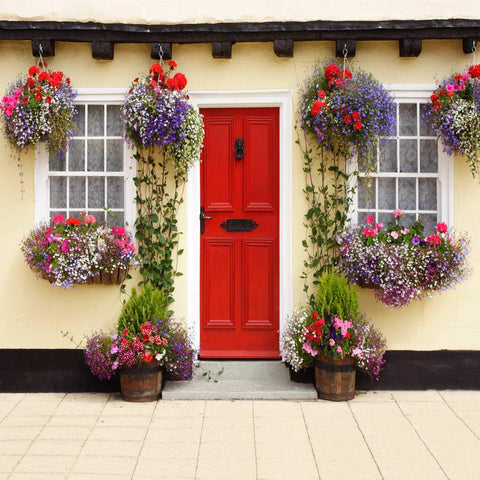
[33,314]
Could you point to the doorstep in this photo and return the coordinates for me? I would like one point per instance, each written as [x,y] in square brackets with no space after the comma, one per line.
[239,380]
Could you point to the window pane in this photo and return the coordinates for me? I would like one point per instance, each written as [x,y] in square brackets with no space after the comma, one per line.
[408,156]
[385,218]
[114,155]
[429,220]
[115,192]
[386,194]
[114,121]
[427,193]
[366,193]
[96,192]
[58,192]
[95,156]
[80,122]
[57,162]
[388,155]
[117,219]
[428,156]
[76,156]
[407,194]
[77,192]
[98,214]
[75,214]
[95,120]
[407,219]
[426,129]
[408,119]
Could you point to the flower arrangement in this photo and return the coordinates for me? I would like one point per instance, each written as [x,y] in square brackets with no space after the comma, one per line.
[105,354]
[74,251]
[402,264]
[332,325]
[454,114]
[338,339]
[346,110]
[39,108]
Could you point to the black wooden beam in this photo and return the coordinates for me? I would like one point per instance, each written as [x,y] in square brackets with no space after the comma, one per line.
[102,50]
[222,49]
[469,45]
[47,48]
[161,49]
[346,43]
[241,32]
[283,47]
[410,47]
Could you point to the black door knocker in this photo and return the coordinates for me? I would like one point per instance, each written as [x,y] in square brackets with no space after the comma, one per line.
[239,148]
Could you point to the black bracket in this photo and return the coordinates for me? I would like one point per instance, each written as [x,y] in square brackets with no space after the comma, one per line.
[239,148]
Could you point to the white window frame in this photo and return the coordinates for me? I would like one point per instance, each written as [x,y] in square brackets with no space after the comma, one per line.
[420,93]
[91,96]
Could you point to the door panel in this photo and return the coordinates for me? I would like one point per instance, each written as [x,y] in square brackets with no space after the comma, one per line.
[239,269]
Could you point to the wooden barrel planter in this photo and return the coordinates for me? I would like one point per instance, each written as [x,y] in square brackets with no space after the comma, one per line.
[142,383]
[335,379]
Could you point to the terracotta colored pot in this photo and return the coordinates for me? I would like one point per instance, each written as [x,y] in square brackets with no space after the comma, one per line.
[334,379]
[142,383]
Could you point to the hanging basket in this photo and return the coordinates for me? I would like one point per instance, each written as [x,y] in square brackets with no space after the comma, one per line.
[116,277]
[335,379]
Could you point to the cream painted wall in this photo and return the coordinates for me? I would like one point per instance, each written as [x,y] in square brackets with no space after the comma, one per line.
[33,314]
[206,11]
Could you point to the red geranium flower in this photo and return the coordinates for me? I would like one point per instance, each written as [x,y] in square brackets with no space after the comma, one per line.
[442,227]
[43,76]
[357,125]
[156,68]
[48,99]
[347,119]
[33,70]
[73,221]
[316,108]
[356,115]
[38,96]
[172,64]
[331,71]
[474,70]
[321,94]
[181,80]
[434,239]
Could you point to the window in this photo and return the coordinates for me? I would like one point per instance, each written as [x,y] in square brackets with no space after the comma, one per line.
[413,174]
[96,171]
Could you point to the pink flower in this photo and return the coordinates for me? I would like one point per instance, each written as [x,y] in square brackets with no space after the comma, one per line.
[397,213]
[394,234]
[308,348]
[370,219]
[356,352]
[450,87]
[404,231]
[89,219]
[339,349]
[120,231]
[65,247]
[442,227]
[58,218]
[331,342]
[378,226]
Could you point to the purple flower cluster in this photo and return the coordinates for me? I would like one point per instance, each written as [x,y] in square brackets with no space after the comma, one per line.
[154,116]
[181,355]
[100,355]
[402,264]
[347,111]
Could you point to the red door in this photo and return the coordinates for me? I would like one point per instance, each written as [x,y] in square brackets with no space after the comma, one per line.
[239,247]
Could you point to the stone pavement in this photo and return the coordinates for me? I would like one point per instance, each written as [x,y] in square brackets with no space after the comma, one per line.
[379,435]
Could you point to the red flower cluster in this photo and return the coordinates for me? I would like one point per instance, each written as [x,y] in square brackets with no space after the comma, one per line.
[474,71]
[314,331]
[434,239]
[159,79]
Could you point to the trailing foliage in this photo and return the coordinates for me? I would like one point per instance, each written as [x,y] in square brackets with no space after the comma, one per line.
[336,297]
[138,309]
[167,131]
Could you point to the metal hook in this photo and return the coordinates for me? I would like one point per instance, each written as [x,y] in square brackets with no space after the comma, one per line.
[345,53]
[41,62]
[160,51]
[474,48]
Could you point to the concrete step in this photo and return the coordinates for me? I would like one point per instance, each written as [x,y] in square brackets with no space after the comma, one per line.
[239,380]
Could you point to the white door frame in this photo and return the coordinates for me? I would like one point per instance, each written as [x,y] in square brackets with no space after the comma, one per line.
[244,99]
